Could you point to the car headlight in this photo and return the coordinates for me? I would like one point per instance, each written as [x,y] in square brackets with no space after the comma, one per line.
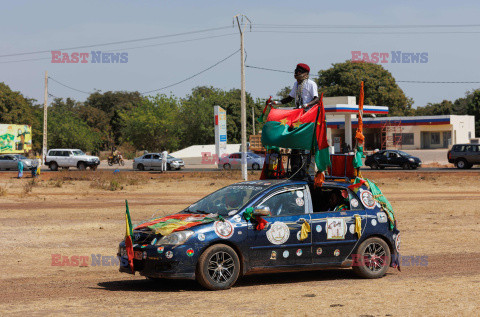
[411,159]
[175,238]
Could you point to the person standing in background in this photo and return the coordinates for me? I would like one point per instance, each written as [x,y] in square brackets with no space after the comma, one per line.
[20,168]
[164,160]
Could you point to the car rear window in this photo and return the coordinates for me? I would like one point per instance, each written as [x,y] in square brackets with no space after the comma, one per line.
[459,148]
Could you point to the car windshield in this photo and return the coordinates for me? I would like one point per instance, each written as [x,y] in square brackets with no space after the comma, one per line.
[403,153]
[170,157]
[21,157]
[253,155]
[227,200]
[78,152]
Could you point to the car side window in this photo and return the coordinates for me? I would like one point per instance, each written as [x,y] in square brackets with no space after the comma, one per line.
[147,157]
[156,157]
[286,203]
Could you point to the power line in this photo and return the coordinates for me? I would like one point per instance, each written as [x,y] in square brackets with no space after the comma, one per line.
[367,33]
[88,93]
[275,70]
[118,42]
[195,75]
[130,48]
[398,81]
[165,87]
[369,26]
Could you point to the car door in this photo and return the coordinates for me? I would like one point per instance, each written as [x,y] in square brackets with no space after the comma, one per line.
[235,160]
[333,232]
[156,162]
[382,159]
[279,243]
[12,162]
[147,161]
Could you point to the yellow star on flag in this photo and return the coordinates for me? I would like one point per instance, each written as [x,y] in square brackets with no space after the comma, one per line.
[297,124]
[284,121]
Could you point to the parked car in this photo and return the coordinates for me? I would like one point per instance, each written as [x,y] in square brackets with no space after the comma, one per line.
[254,161]
[218,238]
[10,162]
[464,155]
[392,158]
[153,161]
[66,158]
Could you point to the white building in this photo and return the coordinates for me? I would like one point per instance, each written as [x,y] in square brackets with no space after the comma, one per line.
[408,133]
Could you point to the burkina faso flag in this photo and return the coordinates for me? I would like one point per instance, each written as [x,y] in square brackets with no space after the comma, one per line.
[297,129]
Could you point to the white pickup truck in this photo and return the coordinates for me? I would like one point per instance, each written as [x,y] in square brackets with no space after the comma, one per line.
[66,158]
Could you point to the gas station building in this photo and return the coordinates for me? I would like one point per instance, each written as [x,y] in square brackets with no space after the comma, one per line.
[406,133]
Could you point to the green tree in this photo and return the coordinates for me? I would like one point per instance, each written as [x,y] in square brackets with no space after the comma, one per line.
[111,104]
[16,109]
[433,109]
[470,105]
[67,130]
[153,124]
[343,79]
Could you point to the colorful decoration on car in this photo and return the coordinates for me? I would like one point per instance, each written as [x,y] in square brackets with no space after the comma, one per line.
[260,222]
[305,230]
[358,225]
[178,222]
[360,138]
[128,238]
[297,129]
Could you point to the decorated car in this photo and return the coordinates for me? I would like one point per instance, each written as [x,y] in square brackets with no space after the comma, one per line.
[288,220]
[268,225]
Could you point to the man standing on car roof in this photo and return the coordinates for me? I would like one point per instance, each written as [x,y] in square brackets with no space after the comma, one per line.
[304,91]
[305,94]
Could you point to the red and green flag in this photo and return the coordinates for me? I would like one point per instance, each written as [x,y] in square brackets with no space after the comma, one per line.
[297,129]
[128,238]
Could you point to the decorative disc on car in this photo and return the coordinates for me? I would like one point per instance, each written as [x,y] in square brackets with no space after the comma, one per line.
[169,254]
[201,237]
[367,199]
[337,252]
[224,229]
[354,203]
[382,217]
[278,233]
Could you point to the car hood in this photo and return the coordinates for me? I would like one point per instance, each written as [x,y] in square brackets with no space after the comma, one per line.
[86,157]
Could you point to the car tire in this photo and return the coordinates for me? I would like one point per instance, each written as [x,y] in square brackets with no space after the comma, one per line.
[141,167]
[53,166]
[93,167]
[374,258]
[218,267]
[461,164]
[406,166]
[374,166]
[227,166]
[178,168]
[82,166]
[110,163]
[255,166]
[169,168]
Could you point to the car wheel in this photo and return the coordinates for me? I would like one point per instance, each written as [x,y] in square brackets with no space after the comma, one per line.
[255,166]
[227,166]
[81,166]
[110,163]
[53,166]
[141,167]
[374,258]
[218,267]
[169,168]
[374,166]
[461,164]
[93,167]
[178,168]
[406,166]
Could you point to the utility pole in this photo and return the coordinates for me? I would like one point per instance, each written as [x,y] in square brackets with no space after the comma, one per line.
[243,104]
[44,145]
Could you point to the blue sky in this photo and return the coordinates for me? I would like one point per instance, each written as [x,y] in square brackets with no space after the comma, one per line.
[27,26]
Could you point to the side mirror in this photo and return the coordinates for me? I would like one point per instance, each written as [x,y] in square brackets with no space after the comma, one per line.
[262,211]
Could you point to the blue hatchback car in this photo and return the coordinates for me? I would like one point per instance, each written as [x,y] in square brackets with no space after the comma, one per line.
[269,225]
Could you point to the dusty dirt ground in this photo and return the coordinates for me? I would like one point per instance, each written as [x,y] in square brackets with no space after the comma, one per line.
[74,213]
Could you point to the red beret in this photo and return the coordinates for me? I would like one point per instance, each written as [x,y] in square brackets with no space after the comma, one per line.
[304,66]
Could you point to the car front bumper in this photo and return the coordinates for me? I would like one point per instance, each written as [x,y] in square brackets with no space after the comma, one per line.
[150,262]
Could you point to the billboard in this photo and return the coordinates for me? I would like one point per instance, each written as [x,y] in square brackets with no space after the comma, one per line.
[15,138]
[220,131]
